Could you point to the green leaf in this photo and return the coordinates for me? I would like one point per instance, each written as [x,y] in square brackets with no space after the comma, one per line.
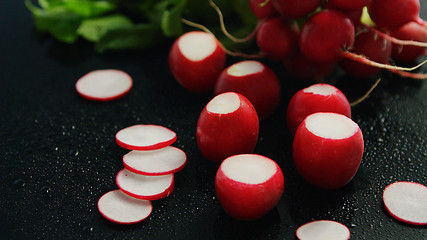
[243,10]
[90,8]
[94,29]
[171,19]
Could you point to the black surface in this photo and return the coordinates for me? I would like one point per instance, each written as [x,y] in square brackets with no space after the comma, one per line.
[59,155]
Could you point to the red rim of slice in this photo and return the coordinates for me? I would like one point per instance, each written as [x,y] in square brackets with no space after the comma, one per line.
[156,143]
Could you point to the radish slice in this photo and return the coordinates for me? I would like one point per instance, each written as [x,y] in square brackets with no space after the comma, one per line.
[145,187]
[120,208]
[323,229]
[407,202]
[145,137]
[104,85]
[155,162]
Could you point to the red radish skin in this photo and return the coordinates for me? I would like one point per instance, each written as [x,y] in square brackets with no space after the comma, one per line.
[120,208]
[349,4]
[228,125]
[392,14]
[145,187]
[261,10]
[195,60]
[410,31]
[303,68]
[372,47]
[248,186]
[328,149]
[145,137]
[354,15]
[323,229]
[104,85]
[162,161]
[254,80]
[407,202]
[319,97]
[322,43]
[276,39]
[296,9]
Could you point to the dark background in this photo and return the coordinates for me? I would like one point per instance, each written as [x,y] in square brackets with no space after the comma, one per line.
[58,154]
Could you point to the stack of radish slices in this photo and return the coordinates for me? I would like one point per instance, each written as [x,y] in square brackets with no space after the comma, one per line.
[148,173]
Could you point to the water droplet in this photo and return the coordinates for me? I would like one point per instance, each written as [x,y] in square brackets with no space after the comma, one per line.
[352,225]
[19,183]
[45,189]
[87,229]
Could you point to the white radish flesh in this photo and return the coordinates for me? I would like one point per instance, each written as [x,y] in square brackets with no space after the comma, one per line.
[120,208]
[155,162]
[407,202]
[145,137]
[323,229]
[104,85]
[145,187]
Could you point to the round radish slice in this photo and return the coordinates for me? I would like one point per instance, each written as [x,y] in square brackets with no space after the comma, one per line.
[155,162]
[407,202]
[145,187]
[104,85]
[323,229]
[145,137]
[120,208]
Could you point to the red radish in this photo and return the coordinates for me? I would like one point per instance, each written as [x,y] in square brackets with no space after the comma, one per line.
[255,81]
[319,97]
[145,137]
[228,125]
[410,31]
[162,161]
[303,68]
[276,38]
[248,185]
[262,9]
[196,59]
[296,9]
[354,14]
[120,208]
[104,85]
[145,187]
[392,14]
[371,46]
[407,202]
[328,149]
[323,229]
[349,4]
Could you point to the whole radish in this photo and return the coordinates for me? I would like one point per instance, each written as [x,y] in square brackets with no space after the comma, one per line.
[349,4]
[276,38]
[392,14]
[371,46]
[303,68]
[296,9]
[196,59]
[353,14]
[410,31]
[262,9]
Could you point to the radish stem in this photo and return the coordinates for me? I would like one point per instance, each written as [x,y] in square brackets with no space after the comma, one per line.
[395,40]
[352,104]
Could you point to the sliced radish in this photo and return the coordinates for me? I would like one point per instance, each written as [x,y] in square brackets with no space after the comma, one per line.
[407,202]
[145,137]
[155,162]
[323,229]
[120,208]
[145,187]
[104,85]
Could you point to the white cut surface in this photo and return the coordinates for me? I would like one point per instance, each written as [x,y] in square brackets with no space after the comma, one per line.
[142,185]
[331,125]
[323,229]
[224,103]
[166,159]
[407,201]
[320,89]
[104,84]
[118,207]
[249,168]
[197,46]
[144,135]
[245,68]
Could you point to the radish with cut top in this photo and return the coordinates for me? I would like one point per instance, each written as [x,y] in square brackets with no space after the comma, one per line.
[121,208]
[104,85]
[145,137]
[227,125]
[248,186]
[320,97]
[155,162]
[323,229]
[255,81]
[196,59]
[407,202]
[145,187]
[328,149]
